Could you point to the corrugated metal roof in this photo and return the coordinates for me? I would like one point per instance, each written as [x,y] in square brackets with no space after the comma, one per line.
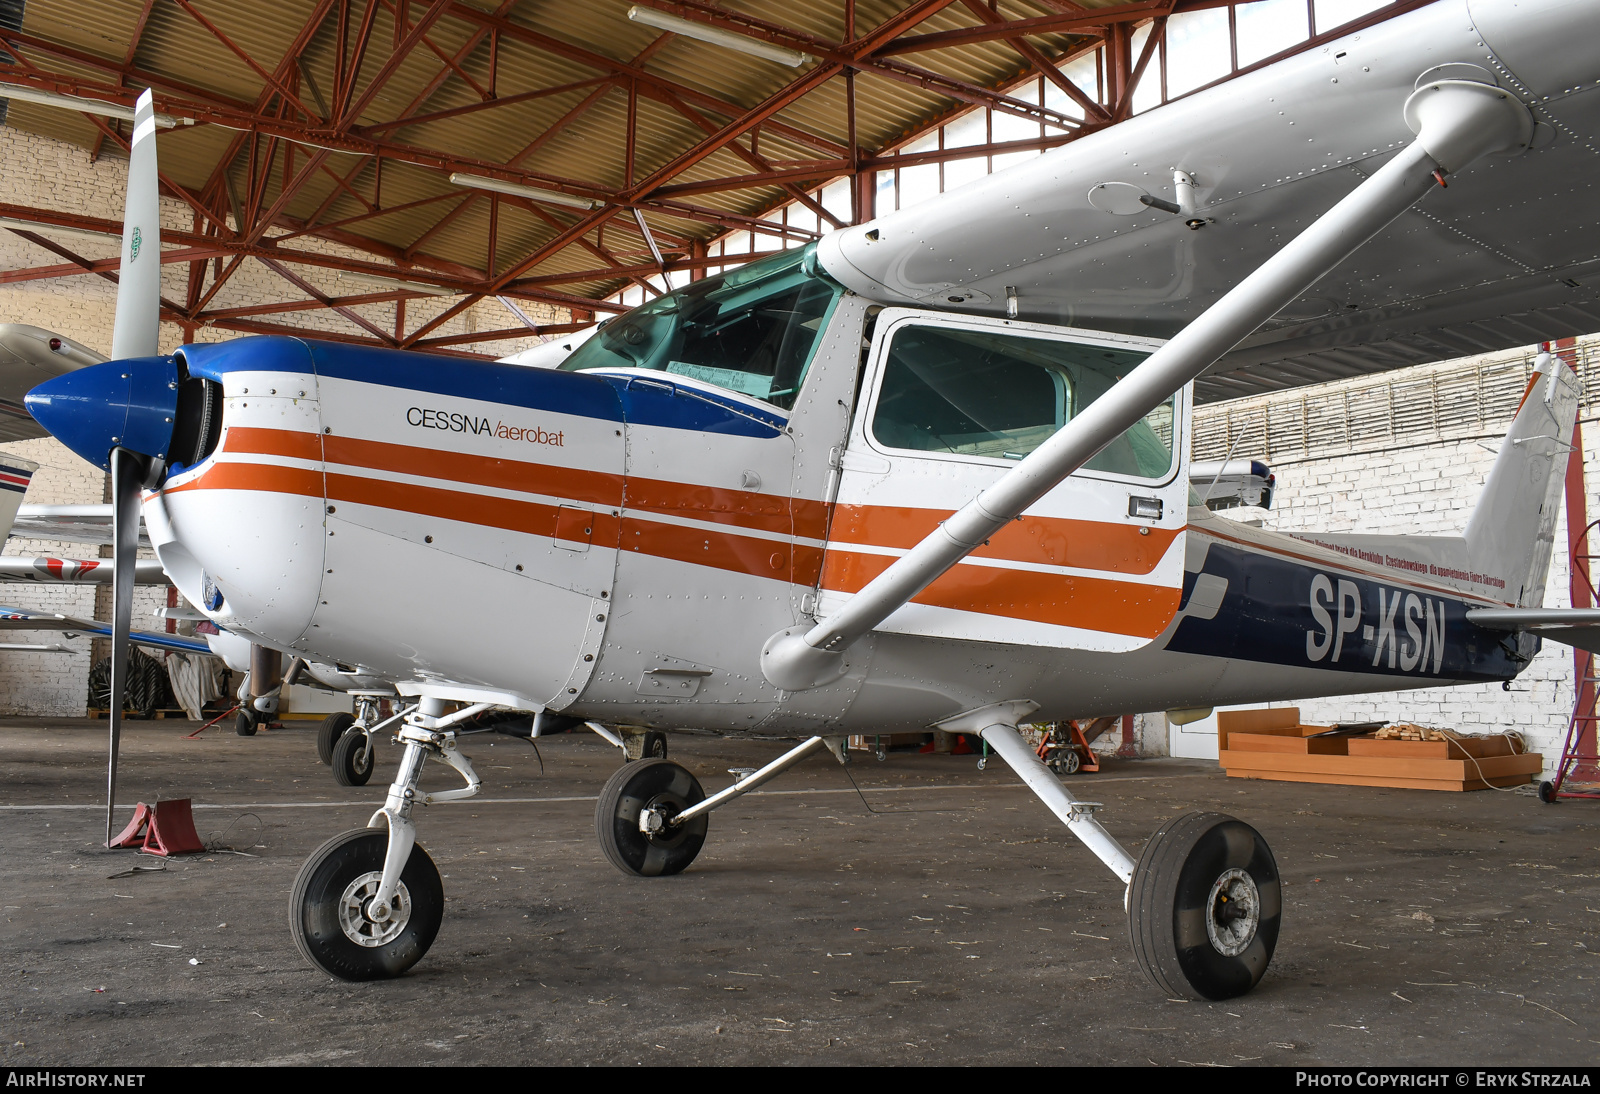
[696,87]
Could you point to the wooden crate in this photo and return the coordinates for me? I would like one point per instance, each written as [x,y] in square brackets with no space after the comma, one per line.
[1280,721]
[1273,744]
[1437,750]
[1419,772]
[1283,744]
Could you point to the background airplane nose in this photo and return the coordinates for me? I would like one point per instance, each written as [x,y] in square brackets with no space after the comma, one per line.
[129,404]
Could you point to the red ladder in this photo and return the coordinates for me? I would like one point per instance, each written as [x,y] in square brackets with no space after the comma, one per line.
[1579,757]
[1578,754]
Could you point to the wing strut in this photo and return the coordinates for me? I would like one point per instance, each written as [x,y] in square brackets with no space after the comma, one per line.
[1456,121]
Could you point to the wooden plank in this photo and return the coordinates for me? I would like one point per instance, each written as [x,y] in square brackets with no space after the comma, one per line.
[1378,780]
[1254,721]
[1387,767]
[1282,743]
[1467,746]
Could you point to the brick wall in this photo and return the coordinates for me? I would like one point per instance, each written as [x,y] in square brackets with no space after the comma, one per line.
[45,173]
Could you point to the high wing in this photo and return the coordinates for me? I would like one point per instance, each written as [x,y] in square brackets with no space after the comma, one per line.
[1482,267]
[89,524]
[28,356]
[1578,627]
[18,619]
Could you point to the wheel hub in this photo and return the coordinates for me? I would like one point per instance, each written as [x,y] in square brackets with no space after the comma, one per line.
[1234,913]
[655,819]
[371,925]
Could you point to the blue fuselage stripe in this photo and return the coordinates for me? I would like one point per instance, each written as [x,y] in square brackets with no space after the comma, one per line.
[1284,612]
[632,400]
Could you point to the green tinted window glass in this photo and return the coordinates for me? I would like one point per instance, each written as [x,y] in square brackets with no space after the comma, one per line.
[752,330]
[1001,395]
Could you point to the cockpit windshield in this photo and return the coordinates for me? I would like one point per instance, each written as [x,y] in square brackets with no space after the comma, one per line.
[752,330]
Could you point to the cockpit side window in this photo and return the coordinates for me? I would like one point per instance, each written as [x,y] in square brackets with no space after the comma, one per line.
[1001,395]
[752,330]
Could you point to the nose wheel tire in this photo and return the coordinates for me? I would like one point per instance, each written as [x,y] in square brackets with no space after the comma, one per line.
[245,724]
[633,788]
[331,913]
[655,746]
[328,734]
[353,756]
[1204,907]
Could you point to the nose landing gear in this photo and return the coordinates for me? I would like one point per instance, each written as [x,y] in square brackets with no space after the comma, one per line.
[338,926]
[368,903]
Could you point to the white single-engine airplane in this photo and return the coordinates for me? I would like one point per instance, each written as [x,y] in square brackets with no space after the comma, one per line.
[849,489]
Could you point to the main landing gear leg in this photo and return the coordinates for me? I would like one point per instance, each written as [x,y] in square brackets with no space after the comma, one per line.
[1204,899]
[651,816]
[368,903]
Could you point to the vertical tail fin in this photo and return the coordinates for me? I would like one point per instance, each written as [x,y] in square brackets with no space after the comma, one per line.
[1512,530]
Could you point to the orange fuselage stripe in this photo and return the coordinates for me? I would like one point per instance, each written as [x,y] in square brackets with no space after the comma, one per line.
[1086,602]
[1048,541]
[767,512]
[1089,603]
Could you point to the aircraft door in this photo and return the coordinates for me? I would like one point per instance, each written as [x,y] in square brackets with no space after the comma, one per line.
[707,533]
[949,404]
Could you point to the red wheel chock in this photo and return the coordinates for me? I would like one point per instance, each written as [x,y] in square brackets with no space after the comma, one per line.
[167,828]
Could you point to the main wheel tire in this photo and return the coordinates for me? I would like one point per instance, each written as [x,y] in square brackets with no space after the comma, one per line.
[245,724]
[328,734]
[353,759]
[633,788]
[1547,792]
[1204,907]
[655,746]
[327,911]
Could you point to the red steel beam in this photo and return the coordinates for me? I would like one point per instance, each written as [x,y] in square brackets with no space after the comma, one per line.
[640,270]
[867,60]
[1041,64]
[268,78]
[497,335]
[474,108]
[210,246]
[312,291]
[629,70]
[435,11]
[1011,29]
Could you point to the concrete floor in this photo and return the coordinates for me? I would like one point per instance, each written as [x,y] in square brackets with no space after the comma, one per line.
[960,925]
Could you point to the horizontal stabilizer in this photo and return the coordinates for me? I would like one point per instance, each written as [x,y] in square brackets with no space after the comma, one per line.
[1578,627]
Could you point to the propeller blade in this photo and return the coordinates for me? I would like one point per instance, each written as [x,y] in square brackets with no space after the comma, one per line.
[128,472]
[138,328]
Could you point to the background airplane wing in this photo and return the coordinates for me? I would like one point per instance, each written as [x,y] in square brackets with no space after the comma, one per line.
[93,571]
[29,356]
[73,523]
[19,619]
